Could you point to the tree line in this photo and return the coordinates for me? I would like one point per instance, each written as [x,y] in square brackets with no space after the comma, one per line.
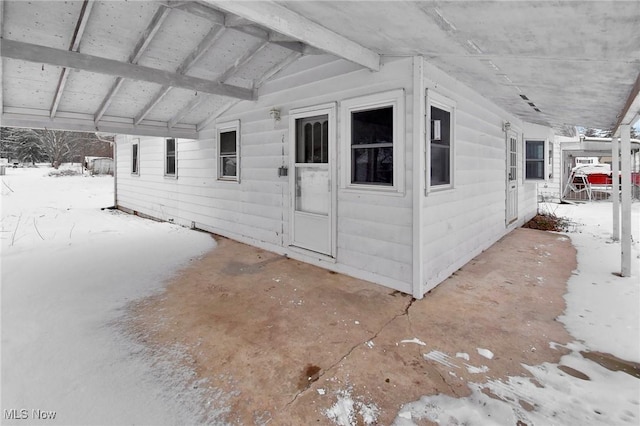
[53,146]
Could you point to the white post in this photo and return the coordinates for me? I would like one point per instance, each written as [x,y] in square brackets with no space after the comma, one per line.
[615,187]
[625,247]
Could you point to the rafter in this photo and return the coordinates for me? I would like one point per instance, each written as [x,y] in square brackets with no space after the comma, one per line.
[289,23]
[239,63]
[63,58]
[75,44]
[631,109]
[202,48]
[148,34]
[291,58]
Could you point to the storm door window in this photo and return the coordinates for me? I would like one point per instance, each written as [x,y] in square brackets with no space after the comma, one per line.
[229,151]
[440,145]
[372,146]
[170,157]
[534,164]
[135,157]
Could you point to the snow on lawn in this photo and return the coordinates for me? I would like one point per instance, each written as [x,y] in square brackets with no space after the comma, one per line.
[68,271]
[602,314]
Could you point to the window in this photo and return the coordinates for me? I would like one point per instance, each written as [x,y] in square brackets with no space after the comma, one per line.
[441,142]
[374,142]
[534,160]
[135,157]
[170,157]
[229,151]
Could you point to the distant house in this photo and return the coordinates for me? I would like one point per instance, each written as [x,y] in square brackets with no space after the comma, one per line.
[99,165]
[389,141]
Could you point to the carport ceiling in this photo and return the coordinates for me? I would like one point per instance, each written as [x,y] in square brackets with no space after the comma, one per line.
[171,67]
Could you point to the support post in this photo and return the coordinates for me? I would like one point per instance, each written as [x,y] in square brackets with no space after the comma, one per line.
[615,187]
[625,247]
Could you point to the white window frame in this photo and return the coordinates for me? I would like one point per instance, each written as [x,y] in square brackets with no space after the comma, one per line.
[173,175]
[544,160]
[441,102]
[135,159]
[394,99]
[228,126]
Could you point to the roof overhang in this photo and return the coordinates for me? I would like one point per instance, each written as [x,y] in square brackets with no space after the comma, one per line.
[170,68]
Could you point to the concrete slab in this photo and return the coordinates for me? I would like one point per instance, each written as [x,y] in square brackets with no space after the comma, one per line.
[282,340]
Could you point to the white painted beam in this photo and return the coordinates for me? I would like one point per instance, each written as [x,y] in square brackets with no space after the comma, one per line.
[75,45]
[625,175]
[205,44]
[148,34]
[631,109]
[418,179]
[1,65]
[47,55]
[289,23]
[615,187]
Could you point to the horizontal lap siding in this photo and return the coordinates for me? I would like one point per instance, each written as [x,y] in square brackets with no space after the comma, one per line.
[374,230]
[461,222]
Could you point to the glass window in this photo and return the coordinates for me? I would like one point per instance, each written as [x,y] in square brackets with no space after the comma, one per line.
[534,163]
[170,157]
[135,157]
[228,151]
[440,145]
[372,146]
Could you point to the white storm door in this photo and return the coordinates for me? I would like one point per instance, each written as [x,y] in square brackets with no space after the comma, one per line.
[312,190]
[512,178]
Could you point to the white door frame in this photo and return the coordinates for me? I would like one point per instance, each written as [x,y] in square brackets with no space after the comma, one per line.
[328,109]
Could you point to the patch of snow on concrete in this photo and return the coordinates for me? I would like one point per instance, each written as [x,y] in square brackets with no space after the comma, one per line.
[414,340]
[485,353]
[440,357]
[462,355]
[347,412]
[476,370]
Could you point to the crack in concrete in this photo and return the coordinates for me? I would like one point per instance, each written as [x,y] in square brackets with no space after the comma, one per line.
[445,382]
[405,312]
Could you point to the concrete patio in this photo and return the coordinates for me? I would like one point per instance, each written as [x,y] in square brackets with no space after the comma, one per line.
[277,340]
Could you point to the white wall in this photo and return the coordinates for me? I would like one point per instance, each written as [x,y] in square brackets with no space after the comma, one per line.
[461,222]
[375,231]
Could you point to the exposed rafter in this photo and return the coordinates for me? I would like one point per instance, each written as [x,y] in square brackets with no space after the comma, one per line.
[63,58]
[293,56]
[141,46]
[287,22]
[631,109]
[202,48]
[85,11]
[239,63]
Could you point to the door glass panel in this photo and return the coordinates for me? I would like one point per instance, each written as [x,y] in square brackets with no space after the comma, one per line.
[312,190]
[312,143]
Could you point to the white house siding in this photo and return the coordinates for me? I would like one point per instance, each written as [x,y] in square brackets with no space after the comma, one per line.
[459,223]
[374,230]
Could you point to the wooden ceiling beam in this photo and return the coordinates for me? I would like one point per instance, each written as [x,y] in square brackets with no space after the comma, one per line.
[152,29]
[278,18]
[46,55]
[205,44]
[85,11]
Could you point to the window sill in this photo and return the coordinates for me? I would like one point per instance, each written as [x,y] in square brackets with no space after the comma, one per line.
[228,180]
[440,189]
[373,189]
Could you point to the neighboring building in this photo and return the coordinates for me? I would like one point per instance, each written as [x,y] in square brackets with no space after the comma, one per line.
[99,165]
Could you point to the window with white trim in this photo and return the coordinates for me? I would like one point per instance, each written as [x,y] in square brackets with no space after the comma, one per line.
[135,157]
[170,163]
[373,138]
[441,142]
[534,159]
[228,135]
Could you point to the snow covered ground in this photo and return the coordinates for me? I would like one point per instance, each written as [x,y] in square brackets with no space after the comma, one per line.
[602,314]
[69,269]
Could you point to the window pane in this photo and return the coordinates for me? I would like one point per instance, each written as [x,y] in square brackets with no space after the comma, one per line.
[372,165]
[372,126]
[312,139]
[171,146]
[312,190]
[228,166]
[440,126]
[535,150]
[171,165]
[134,162]
[440,165]
[535,170]
[228,142]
